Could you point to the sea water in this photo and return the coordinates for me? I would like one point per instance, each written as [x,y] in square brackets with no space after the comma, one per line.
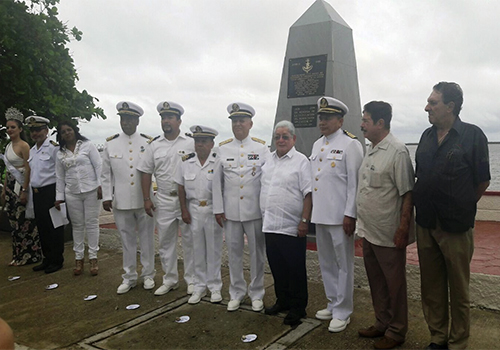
[494,149]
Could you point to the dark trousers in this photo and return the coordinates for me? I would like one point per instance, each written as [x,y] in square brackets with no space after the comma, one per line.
[444,259]
[287,259]
[386,271]
[51,239]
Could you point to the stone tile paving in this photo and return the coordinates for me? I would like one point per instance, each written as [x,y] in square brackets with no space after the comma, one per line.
[486,257]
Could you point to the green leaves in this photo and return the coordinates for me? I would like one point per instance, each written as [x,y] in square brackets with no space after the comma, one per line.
[37,70]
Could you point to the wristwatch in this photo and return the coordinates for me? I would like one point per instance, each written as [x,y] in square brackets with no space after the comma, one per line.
[304,220]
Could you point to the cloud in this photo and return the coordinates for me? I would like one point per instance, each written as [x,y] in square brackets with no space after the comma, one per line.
[207,54]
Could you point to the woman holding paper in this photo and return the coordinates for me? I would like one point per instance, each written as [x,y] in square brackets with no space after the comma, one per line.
[78,171]
[15,194]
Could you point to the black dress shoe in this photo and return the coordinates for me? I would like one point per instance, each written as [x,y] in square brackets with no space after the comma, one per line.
[275,309]
[53,268]
[40,267]
[293,317]
[436,346]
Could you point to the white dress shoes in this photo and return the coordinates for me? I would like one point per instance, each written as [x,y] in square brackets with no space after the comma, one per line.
[165,288]
[337,325]
[233,305]
[324,315]
[149,283]
[257,305]
[190,289]
[196,297]
[125,287]
[216,297]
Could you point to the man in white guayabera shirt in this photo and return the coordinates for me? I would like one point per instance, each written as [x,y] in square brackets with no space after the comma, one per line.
[285,201]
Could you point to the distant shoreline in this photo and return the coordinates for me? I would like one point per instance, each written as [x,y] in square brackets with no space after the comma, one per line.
[416,143]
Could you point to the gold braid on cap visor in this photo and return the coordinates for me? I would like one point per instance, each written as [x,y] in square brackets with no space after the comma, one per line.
[129,112]
[241,113]
[331,110]
[170,110]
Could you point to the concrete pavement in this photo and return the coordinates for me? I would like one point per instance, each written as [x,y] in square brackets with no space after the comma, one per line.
[60,318]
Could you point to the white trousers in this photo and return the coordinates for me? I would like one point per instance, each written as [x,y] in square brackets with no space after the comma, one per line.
[133,224]
[83,210]
[336,261]
[168,222]
[207,244]
[235,241]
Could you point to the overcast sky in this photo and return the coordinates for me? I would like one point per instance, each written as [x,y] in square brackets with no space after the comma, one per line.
[206,54]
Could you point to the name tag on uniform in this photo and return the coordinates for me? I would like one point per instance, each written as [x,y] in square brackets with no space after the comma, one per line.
[335,154]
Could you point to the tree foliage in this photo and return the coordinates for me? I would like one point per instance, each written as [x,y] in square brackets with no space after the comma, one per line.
[37,73]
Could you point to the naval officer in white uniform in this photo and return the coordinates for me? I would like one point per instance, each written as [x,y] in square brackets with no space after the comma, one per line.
[42,161]
[162,157]
[236,191]
[122,193]
[194,177]
[335,160]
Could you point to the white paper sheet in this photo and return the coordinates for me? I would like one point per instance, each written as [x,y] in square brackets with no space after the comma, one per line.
[59,217]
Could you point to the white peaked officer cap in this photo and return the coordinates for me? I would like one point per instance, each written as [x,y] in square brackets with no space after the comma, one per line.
[36,121]
[203,131]
[331,105]
[129,108]
[239,109]
[170,107]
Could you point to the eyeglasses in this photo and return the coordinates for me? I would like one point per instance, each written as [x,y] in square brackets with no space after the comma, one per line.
[284,137]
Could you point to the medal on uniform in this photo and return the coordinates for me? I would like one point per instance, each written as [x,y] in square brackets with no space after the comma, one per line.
[333,164]
[253,171]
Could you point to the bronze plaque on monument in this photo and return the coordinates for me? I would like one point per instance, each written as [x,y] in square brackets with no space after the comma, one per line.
[307,76]
[304,116]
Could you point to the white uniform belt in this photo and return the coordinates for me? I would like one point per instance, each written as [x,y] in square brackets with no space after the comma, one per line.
[200,202]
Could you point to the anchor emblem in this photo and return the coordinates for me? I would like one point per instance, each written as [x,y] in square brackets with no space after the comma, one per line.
[307,68]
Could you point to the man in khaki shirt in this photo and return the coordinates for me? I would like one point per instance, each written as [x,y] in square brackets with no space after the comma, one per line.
[384,207]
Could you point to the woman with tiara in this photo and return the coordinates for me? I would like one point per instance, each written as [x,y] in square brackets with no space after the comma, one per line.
[16,193]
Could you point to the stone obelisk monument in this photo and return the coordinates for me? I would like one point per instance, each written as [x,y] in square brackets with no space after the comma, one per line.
[319,61]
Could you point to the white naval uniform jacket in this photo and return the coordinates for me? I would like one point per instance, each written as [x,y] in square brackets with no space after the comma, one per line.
[42,163]
[121,181]
[196,178]
[335,160]
[236,184]
[162,157]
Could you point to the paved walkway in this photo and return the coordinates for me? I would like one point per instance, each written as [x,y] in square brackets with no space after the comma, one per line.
[61,318]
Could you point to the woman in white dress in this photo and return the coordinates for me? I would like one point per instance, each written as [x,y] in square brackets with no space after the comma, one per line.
[15,194]
[78,170]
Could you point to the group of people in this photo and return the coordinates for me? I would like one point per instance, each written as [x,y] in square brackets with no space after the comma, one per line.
[271,198]
[46,176]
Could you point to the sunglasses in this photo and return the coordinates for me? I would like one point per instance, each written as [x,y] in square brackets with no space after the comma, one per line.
[284,137]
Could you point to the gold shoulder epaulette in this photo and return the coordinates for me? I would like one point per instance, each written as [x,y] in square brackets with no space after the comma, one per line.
[227,141]
[152,139]
[352,136]
[258,140]
[188,156]
[54,143]
[147,136]
[112,137]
